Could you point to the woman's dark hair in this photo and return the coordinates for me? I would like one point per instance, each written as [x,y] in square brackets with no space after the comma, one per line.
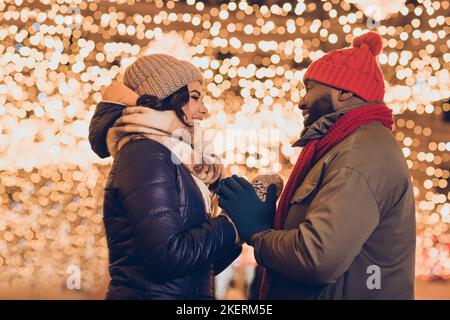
[173,102]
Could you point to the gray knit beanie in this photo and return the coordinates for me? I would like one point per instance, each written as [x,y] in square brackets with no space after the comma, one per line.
[160,75]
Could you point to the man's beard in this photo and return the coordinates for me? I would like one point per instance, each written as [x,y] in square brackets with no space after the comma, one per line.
[318,109]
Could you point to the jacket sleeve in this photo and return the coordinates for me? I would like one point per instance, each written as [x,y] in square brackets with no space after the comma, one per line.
[339,220]
[147,189]
[106,113]
[223,262]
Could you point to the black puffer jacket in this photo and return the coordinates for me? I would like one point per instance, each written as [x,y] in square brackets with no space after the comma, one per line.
[162,244]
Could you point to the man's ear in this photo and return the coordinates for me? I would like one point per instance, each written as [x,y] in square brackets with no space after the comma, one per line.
[344,95]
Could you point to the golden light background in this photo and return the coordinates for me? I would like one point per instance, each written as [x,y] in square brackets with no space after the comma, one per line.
[56,57]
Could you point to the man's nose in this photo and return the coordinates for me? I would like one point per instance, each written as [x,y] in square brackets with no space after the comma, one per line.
[302,104]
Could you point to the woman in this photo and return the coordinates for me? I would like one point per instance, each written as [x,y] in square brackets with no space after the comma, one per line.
[163,242]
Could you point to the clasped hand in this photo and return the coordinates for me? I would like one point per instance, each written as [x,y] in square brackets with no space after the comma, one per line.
[242,204]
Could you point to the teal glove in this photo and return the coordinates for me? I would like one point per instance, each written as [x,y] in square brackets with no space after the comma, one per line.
[240,201]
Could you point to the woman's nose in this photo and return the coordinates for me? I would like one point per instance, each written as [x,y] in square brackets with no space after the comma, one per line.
[204,110]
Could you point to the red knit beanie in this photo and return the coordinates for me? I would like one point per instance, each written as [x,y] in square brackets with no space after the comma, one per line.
[353,69]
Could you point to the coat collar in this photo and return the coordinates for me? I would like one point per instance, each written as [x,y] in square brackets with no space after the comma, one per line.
[320,127]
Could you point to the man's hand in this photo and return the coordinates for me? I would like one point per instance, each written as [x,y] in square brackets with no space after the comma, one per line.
[241,203]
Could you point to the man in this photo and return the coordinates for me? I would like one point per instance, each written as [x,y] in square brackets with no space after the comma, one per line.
[345,224]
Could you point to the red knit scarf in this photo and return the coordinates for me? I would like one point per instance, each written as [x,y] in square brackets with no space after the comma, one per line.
[314,150]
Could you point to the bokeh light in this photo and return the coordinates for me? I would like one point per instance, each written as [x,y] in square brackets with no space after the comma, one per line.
[56,56]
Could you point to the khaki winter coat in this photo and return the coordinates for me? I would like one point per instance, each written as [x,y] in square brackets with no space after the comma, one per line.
[350,231]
